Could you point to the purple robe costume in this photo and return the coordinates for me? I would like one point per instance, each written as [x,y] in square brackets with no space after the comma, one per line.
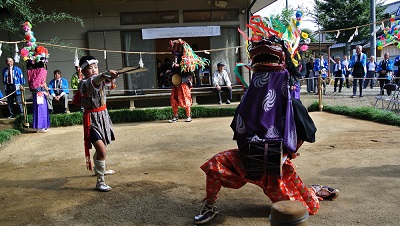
[37,77]
[266,111]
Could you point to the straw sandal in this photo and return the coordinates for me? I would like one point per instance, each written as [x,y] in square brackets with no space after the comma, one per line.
[325,192]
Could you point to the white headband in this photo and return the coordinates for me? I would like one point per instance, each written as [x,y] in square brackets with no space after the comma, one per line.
[89,62]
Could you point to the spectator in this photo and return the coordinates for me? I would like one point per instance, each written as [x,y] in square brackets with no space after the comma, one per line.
[13,79]
[358,63]
[346,64]
[338,72]
[58,88]
[371,69]
[166,70]
[221,81]
[396,70]
[310,75]
[160,74]
[76,78]
[321,65]
[385,70]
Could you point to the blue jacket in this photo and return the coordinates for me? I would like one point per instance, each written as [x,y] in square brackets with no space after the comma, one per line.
[396,68]
[342,68]
[369,62]
[363,60]
[64,86]
[18,78]
[317,67]
[389,67]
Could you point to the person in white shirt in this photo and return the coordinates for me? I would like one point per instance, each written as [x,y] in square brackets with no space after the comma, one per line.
[346,63]
[371,69]
[221,81]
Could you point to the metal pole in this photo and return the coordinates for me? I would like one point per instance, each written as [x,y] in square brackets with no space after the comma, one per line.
[372,28]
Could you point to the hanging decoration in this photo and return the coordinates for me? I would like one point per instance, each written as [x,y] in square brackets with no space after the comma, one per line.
[338,33]
[16,56]
[32,52]
[141,64]
[1,52]
[391,35]
[76,58]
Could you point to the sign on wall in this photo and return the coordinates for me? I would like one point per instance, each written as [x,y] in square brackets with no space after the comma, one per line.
[180,32]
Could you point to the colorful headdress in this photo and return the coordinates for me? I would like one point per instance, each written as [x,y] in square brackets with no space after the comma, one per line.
[270,37]
[32,52]
[190,60]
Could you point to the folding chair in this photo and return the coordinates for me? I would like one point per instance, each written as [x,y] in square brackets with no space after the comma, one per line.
[395,101]
[388,87]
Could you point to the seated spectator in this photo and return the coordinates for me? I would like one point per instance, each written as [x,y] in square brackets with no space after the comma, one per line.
[221,78]
[58,88]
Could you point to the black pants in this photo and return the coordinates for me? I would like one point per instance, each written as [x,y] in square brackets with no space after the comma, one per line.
[382,82]
[340,80]
[227,90]
[360,82]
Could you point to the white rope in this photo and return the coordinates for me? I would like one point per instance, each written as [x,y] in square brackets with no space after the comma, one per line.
[8,95]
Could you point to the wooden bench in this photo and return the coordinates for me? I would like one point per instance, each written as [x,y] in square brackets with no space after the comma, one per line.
[160,97]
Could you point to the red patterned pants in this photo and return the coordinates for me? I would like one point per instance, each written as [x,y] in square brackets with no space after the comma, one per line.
[225,169]
[181,97]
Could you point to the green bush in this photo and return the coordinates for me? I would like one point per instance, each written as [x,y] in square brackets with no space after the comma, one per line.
[7,134]
[126,116]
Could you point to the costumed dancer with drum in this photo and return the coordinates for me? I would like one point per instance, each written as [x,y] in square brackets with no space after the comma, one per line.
[269,125]
[186,62]
[97,125]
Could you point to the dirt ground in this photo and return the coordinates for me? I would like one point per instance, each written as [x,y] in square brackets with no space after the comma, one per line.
[43,179]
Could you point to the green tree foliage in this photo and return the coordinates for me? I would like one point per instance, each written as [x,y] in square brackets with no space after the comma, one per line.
[13,13]
[340,14]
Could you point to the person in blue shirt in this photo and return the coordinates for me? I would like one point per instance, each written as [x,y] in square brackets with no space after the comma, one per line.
[358,64]
[385,72]
[58,89]
[13,80]
[321,65]
[396,70]
[371,70]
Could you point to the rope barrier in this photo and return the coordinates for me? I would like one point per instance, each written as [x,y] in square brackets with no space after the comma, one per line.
[8,95]
[119,51]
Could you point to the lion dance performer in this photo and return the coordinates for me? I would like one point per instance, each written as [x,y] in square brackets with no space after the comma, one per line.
[36,58]
[269,126]
[186,62]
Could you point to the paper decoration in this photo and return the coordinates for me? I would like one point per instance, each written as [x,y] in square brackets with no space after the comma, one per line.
[141,65]
[351,38]
[76,58]
[1,52]
[338,33]
[105,55]
[16,56]
[356,32]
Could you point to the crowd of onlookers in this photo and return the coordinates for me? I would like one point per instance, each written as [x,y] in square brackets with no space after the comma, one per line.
[356,70]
